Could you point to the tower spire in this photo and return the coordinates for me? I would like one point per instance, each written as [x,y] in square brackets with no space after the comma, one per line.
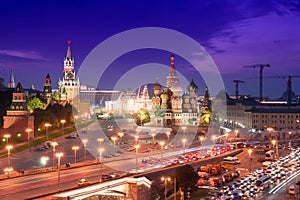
[69,55]
[11,83]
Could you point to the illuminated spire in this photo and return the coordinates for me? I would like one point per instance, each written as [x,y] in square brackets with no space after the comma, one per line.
[69,50]
[11,83]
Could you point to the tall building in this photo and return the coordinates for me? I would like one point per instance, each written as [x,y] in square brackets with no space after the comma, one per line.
[69,86]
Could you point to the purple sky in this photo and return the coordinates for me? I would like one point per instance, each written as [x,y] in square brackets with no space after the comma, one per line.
[34,36]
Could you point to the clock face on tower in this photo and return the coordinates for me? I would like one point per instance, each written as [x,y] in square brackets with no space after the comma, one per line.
[69,75]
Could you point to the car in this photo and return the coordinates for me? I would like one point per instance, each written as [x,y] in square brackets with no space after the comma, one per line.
[83,182]
[71,136]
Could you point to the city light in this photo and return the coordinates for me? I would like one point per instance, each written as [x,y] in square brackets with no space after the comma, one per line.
[84,141]
[62,121]
[53,144]
[75,148]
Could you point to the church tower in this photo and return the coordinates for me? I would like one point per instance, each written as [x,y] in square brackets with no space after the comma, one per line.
[69,86]
[11,83]
[18,118]
[47,92]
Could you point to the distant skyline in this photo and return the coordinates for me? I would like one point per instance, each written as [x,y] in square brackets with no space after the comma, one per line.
[34,34]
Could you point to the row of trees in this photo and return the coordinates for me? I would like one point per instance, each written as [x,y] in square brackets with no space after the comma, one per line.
[53,114]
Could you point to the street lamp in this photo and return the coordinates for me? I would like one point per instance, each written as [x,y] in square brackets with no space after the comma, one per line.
[58,156]
[120,134]
[165,180]
[184,129]
[100,140]
[168,135]
[28,130]
[153,136]
[75,148]
[44,160]
[53,144]
[7,170]
[47,126]
[201,138]
[8,147]
[236,131]
[7,136]
[84,141]
[114,138]
[136,137]
[226,135]
[137,146]
[275,144]
[62,121]
[249,153]
[161,143]
[100,160]
[183,143]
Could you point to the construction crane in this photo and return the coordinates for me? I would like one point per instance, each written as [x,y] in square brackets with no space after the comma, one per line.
[261,68]
[288,85]
[237,82]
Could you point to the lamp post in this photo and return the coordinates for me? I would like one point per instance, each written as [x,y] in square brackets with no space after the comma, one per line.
[183,143]
[7,136]
[114,138]
[8,170]
[137,146]
[58,156]
[44,160]
[62,121]
[165,180]
[226,135]
[100,140]
[184,129]
[249,153]
[161,143]
[84,141]
[75,148]
[201,138]
[120,134]
[47,126]
[28,130]
[8,147]
[53,144]
[168,133]
[236,131]
[275,145]
[153,137]
[136,137]
[100,160]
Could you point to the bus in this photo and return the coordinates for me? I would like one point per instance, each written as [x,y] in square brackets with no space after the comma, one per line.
[263,182]
[231,160]
[270,155]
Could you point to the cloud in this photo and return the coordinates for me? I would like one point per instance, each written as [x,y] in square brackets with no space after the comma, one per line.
[22,54]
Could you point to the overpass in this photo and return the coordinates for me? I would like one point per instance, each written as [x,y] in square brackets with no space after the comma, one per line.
[128,188]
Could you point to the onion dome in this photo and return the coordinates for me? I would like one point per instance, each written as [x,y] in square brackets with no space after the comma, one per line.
[192,87]
[164,96]
[185,96]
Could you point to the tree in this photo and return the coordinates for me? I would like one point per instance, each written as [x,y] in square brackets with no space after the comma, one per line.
[186,178]
[34,103]
[142,117]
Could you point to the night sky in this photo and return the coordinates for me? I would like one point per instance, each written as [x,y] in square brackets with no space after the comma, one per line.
[34,34]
